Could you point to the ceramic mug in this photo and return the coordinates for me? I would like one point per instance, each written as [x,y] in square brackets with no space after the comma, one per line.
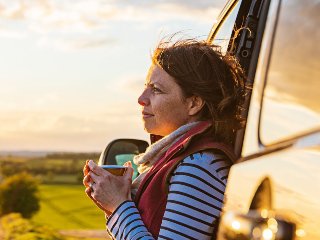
[114,169]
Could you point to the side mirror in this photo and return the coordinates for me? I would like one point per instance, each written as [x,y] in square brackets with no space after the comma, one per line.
[120,151]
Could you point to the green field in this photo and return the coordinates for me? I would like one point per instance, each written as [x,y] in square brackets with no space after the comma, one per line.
[67,207]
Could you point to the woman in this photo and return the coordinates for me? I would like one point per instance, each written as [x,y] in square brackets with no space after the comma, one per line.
[190,100]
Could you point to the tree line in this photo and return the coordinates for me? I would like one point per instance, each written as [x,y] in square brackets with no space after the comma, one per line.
[62,163]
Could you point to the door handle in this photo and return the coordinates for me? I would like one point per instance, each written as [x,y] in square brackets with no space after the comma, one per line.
[255,225]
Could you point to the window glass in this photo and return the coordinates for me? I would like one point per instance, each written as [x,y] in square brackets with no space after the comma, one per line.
[223,36]
[121,159]
[291,104]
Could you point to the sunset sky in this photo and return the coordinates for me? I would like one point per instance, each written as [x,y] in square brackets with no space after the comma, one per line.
[71,71]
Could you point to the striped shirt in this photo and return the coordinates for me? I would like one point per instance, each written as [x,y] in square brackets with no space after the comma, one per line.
[195,199]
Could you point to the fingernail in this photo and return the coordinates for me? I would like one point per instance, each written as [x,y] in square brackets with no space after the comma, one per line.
[128,164]
[90,163]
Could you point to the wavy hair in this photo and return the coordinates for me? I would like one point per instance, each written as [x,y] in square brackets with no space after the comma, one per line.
[200,69]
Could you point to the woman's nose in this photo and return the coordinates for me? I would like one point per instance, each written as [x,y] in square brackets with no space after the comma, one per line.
[143,100]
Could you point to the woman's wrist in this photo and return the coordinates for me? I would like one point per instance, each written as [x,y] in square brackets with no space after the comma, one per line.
[109,214]
[119,203]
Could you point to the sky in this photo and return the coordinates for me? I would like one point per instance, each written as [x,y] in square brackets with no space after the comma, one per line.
[71,71]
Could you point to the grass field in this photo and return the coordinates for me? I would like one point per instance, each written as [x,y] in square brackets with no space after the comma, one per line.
[67,207]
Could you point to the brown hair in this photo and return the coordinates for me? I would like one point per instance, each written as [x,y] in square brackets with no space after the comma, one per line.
[200,69]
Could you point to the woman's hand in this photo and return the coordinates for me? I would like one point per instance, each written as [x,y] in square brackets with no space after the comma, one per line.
[105,189]
[86,170]
[88,190]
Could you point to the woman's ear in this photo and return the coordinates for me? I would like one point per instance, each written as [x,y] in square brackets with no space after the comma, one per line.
[195,105]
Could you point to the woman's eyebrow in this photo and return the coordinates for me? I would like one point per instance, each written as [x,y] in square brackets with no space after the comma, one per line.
[152,84]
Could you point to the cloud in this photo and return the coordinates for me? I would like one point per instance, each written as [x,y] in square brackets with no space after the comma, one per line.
[74,43]
[64,18]
[12,34]
[60,13]
[13,10]
[54,131]
[162,11]
[203,4]
[131,83]
[24,9]
[184,11]
[190,4]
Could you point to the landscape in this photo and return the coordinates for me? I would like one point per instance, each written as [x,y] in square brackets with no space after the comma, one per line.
[64,207]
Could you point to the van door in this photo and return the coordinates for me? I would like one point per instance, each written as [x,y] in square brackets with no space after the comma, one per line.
[239,32]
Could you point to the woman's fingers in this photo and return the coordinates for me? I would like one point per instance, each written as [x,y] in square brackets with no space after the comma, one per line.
[93,176]
[88,192]
[95,168]
[128,174]
[86,168]
[86,180]
[127,164]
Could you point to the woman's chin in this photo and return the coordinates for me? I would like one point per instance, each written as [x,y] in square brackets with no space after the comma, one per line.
[152,129]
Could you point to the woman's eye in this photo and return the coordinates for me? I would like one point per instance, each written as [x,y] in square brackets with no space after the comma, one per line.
[156,90]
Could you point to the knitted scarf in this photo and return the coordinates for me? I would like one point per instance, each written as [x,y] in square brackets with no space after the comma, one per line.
[155,151]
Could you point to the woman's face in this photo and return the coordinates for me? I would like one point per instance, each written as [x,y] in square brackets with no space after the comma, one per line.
[164,108]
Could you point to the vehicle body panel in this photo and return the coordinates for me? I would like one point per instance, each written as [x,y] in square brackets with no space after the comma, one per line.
[295,194]
[291,165]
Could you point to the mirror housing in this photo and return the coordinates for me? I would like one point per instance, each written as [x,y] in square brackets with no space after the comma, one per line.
[120,151]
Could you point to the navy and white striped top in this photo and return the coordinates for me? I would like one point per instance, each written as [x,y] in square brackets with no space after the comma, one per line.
[195,198]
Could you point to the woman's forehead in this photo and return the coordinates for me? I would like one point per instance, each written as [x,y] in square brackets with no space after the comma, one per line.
[157,75]
[150,71]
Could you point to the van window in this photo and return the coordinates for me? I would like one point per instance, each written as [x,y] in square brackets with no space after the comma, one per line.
[291,102]
[224,33]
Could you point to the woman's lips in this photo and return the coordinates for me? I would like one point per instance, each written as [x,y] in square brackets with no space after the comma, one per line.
[147,115]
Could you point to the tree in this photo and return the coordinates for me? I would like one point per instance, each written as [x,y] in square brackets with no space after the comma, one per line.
[18,228]
[19,193]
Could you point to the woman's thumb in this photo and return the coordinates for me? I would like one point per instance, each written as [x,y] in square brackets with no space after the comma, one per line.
[129,170]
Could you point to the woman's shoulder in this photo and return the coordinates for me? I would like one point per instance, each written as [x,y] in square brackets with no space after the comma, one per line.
[212,163]
[211,158]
